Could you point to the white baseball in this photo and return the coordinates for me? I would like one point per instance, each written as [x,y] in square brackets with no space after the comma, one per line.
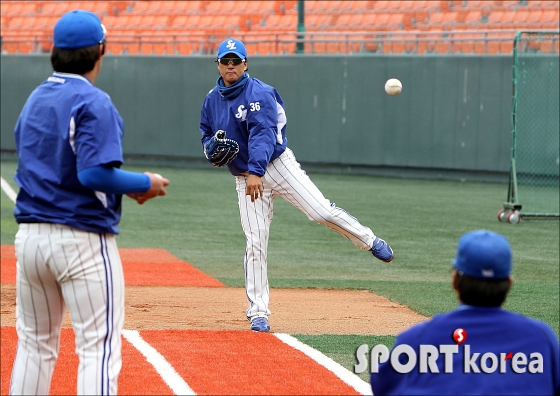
[393,87]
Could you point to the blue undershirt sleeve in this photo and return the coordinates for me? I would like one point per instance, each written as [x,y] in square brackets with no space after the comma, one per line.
[113,180]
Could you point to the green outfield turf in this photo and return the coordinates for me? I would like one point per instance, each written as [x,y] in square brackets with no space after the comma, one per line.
[422,219]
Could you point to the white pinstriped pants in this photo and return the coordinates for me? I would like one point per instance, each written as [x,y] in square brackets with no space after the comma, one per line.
[284,177]
[59,266]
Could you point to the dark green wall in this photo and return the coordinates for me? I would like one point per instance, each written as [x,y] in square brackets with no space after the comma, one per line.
[454,112]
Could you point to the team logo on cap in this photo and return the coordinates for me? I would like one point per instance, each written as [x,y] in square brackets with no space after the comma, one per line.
[231,45]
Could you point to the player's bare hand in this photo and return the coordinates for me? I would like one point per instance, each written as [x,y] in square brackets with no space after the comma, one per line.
[157,188]
[134,196]
[254,187]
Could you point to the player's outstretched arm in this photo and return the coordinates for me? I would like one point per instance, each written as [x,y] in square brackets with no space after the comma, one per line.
[138,186]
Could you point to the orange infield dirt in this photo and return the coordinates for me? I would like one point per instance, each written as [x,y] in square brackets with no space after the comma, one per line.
[198,325]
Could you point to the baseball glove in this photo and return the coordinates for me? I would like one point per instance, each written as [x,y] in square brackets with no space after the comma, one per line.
[219,150]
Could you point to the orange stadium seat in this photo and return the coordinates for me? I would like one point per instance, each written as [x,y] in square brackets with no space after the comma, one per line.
[368,21]
[99,7]
[29,8]
[287,43]
[356,5]
[266,45]
[533,18]
[220,7]
[383,6]
[109,22]
[163,7]
[381,21]
[161,22]
[337,45]
[396,21]
[342,22]
[420,16]
[519,20]
[393,46]
[549,19]
[443,46]
[4,22]
[55,8]
[178,22]
[140,7]
[119,22]
[506,46]
[434,20]
[317,21]
[426,44]
[15,23]
[494,20]
[28,23]
[507,19]
[44,22]
[316,45]
[133,21]
[463,43]
[450,20]
[356,21]
[316,7]
[472,19]
[407,5]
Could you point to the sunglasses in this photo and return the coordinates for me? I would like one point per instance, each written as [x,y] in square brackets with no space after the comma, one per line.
[233,61]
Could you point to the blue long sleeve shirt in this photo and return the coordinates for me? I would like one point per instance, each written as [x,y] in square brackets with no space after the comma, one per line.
[255,119]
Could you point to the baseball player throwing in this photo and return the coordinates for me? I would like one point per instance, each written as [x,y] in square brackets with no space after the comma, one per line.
[243,125]
[68,141]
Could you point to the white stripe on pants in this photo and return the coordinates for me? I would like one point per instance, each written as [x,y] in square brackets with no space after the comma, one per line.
[284,177]
[59,266]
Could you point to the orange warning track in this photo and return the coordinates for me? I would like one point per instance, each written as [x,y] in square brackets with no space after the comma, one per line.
[142,267]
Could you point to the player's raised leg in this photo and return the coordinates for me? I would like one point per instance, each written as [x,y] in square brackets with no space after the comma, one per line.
[297,188]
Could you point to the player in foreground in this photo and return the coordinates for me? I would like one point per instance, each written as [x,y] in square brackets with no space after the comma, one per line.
[490,339]
[243,125]
[68,142]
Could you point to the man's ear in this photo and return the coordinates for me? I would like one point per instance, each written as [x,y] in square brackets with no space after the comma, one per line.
[510,279]
[455,275]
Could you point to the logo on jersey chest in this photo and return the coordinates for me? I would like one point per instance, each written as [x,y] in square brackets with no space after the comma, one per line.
[241,113]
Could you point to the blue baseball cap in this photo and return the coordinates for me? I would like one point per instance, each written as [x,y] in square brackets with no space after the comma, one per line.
[232,46]
[78,29]
[483,254]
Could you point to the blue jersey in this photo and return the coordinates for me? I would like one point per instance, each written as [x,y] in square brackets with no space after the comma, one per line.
[67,125]
[505,337]
[255,119]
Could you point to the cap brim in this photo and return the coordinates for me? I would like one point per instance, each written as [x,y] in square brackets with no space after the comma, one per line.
[231,52]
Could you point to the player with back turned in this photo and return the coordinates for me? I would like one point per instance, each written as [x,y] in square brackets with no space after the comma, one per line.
[243,125]
[485,333]
[69,147]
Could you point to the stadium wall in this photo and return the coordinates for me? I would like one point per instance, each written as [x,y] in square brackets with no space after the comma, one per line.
[453,117]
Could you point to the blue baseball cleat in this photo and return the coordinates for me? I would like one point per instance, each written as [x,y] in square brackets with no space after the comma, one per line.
[260,324]
[382,250]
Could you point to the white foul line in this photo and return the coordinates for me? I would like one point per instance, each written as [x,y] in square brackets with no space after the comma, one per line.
[341,372]
[8,190]
[162,366]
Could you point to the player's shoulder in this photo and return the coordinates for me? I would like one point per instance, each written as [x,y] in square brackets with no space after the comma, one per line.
[531,325]
[259,85]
